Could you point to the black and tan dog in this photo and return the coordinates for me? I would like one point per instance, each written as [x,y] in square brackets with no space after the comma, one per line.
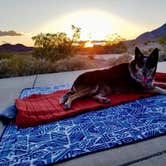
[136,76]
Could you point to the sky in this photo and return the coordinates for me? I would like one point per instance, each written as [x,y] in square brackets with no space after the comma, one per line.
[22,19]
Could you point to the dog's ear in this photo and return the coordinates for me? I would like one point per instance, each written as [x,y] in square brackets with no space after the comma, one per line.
[138,57]
[153,58]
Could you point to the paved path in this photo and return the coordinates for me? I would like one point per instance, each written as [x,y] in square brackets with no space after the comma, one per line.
[146,153]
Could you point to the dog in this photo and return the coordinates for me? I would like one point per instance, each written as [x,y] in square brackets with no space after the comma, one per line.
[135,76]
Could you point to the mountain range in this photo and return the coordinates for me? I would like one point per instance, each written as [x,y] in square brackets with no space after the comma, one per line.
[153,35]
[15,48]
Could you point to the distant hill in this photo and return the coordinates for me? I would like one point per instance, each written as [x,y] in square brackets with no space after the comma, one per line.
[15,48]
[153,35]
[148,41]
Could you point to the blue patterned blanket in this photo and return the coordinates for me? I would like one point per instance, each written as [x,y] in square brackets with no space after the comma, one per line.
[88,132]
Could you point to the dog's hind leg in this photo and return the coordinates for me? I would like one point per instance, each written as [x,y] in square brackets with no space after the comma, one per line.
[79,94]
[159,90]
[160,85]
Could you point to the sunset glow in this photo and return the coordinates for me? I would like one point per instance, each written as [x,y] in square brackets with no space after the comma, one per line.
[88,44]
[95,25]
[97,19]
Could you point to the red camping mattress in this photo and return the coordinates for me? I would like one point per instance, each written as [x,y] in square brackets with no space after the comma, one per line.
[41,108]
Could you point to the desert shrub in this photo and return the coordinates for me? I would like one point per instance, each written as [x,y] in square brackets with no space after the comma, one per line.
[5,55]
[4,68]
[8,55]
[18,65]
[55,46]
[74,63]
[125,58]
[162,40]
[116,48]
[29,65]
[21,66]
[150,50]
[115,44]
[146,42]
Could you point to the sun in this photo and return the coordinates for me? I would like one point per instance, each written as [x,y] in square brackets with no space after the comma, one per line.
[88,44]
[95,25]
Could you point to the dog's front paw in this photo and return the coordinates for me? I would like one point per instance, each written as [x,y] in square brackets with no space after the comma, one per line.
[62,100]
[105,100]
[67,106]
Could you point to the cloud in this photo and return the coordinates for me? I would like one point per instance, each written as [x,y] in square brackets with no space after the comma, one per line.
[10,33]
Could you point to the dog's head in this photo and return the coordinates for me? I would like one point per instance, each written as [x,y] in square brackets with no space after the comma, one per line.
[143,68]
